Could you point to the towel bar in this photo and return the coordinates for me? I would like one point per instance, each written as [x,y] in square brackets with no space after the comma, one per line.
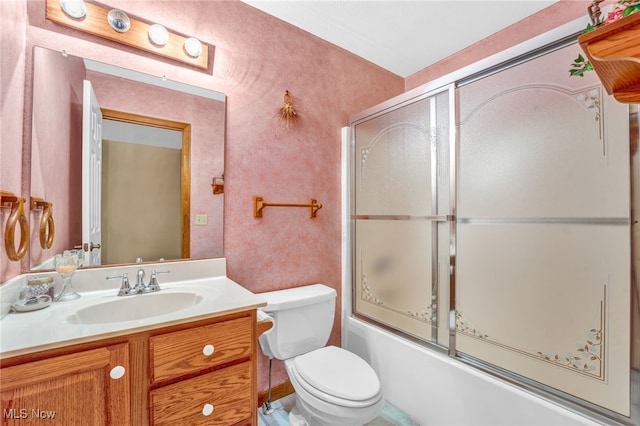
[260,204]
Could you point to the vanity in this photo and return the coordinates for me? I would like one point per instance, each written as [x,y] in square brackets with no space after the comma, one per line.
[192,363]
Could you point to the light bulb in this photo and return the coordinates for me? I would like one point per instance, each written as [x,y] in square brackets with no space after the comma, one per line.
[158,35]
[193,47]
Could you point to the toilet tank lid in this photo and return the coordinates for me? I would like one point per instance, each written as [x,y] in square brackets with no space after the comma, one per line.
[296,297]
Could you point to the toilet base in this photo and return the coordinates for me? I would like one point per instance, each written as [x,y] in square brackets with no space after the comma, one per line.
[296,419]
[303,414]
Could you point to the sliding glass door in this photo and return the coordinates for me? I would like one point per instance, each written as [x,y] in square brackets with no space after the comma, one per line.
[401,207]
[542,273]
[505,236]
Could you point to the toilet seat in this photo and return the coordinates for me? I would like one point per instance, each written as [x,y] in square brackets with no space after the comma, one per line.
[337,376]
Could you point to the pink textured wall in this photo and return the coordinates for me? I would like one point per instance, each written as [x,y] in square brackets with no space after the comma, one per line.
[257,58]
[12,78]
[56,150]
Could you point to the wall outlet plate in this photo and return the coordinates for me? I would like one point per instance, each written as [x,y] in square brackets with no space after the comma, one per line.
[201,219]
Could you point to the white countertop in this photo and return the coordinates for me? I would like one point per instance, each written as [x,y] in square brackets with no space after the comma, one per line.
[51,327]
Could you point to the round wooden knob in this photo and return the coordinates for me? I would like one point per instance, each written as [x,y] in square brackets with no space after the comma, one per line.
[208,350]
[117,372]
[207,409]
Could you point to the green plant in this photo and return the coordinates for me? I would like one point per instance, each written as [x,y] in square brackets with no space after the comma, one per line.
[623,8]
[579,66]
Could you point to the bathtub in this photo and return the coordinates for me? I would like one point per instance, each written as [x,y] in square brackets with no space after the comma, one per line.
[434,389]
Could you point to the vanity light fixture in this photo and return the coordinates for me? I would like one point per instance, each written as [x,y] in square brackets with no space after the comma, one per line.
[75,9]
[158,35]
[119,20]
[116,25]
[193,47]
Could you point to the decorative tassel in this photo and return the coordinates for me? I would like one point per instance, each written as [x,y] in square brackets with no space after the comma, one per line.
[287,113]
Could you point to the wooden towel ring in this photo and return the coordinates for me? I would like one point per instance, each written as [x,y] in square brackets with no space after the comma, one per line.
[47,224]
[17,216]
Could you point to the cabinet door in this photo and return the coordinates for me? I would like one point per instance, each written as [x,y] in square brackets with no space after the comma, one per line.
[83,389]
[221,398]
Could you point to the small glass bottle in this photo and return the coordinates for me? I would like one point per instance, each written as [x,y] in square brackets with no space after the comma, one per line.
[38,286]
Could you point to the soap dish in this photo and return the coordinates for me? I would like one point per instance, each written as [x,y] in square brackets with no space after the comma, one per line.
[38,303]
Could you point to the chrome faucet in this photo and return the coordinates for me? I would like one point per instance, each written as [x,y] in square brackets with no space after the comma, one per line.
[153,282]
[125,288]
[140,287]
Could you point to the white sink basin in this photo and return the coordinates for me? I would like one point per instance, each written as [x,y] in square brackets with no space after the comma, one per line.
[138,307]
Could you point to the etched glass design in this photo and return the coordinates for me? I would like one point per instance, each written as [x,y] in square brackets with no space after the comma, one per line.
[542,265]
[401,164]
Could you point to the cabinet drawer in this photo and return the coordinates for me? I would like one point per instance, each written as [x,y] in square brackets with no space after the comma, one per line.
[189,351]
[222,397]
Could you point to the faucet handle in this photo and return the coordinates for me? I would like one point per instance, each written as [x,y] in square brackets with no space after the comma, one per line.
[140,277]
[125,287]
[153,282]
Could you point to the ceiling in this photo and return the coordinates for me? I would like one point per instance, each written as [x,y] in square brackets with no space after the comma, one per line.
[401,36]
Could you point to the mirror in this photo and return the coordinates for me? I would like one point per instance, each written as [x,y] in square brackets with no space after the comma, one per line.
[145,112]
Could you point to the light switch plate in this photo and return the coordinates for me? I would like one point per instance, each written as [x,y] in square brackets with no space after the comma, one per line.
[201,219]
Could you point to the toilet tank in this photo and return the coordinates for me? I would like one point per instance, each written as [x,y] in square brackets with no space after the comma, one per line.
[303,319]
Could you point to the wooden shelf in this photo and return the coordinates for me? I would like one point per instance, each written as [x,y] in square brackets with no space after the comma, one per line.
[614,51]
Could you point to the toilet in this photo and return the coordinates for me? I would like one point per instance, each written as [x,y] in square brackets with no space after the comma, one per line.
[332,385]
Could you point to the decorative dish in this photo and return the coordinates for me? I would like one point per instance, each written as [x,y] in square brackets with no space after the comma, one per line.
[33,304]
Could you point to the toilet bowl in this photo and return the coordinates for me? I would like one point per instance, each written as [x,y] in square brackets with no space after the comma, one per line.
[332,385]
[335,387]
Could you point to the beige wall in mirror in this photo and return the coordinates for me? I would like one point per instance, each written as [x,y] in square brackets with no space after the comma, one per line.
[129,182]
[57,133]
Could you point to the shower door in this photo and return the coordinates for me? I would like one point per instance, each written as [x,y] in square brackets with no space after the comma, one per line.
[400,210]
[543,257]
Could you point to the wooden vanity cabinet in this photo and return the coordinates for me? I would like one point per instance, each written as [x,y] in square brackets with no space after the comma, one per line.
[197,373]
[222,397]
[210,374]
[85,388]
[190,351]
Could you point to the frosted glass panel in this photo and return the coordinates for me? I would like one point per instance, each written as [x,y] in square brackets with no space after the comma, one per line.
[542,266]
[538,147]
[401,194]
[393,162]
[544,301]
[393,274]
